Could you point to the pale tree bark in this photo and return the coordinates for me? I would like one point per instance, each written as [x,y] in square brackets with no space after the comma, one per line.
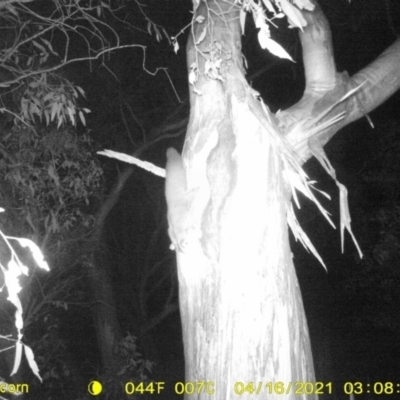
[241,307]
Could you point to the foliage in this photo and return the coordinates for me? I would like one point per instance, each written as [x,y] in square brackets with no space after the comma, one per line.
[41,38]
[278,9]
[48,182]
[49,179]
[60,378]
[15,268]
[130,367]
[264,12]
[51,350]
[49,96]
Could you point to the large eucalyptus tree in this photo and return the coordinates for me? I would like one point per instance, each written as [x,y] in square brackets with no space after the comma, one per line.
[230,196]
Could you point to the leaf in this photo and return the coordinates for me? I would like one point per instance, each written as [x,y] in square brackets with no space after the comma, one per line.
[176,46]
[269,6]
[304,4]
[60,121]
[202,36]
[81,91]
[200,19]
[36,252]
[39,46]
[192,77]
[11,280]
[267,43]
[71,113]
[34,85]
[49,96]
[31,361]
[82,118]
[17,359]
[53,110]
[44,58]
[49,46]
[33,110]
[293,14]
[158,34]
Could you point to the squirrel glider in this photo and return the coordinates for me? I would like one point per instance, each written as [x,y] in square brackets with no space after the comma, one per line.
[180,202]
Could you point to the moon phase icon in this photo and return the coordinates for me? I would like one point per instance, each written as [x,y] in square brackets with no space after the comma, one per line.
[95,388]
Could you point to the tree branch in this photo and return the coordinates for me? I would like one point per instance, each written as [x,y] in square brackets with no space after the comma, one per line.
[325,107]
[316,41]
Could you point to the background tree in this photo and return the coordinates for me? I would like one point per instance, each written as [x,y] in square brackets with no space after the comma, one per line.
[50,181]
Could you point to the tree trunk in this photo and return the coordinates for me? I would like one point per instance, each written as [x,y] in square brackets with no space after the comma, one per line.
[241,307]
[104,313]
[244,326]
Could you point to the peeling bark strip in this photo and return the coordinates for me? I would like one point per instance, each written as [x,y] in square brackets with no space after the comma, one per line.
[241,308]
